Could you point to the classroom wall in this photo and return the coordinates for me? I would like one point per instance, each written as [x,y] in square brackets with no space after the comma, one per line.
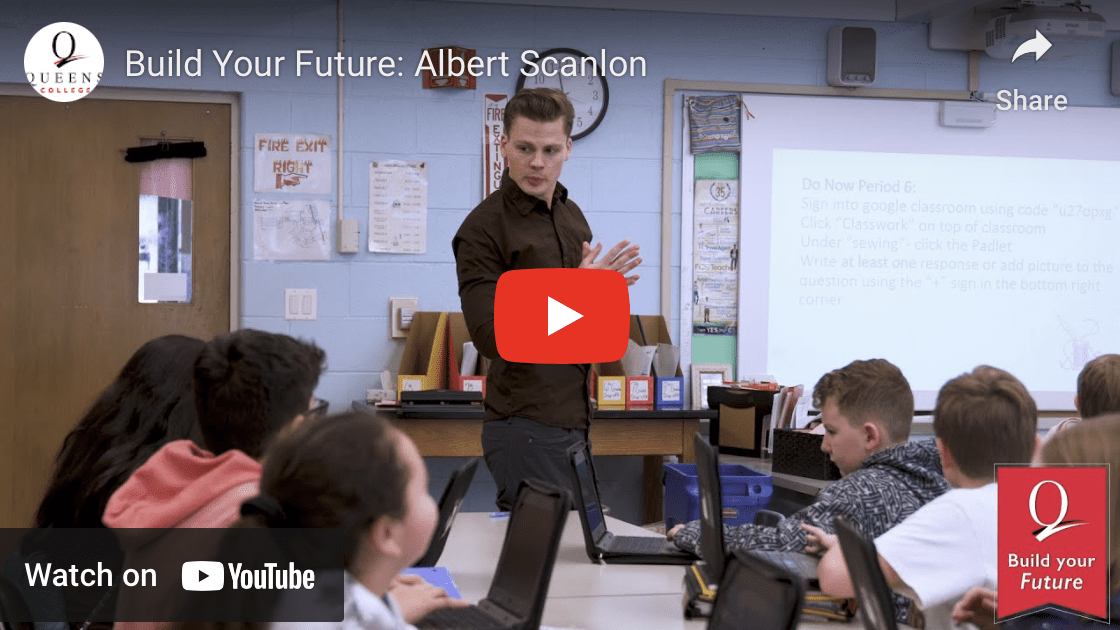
[614,174]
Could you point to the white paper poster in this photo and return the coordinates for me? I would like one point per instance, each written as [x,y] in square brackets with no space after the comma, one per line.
[715,281]
[293,163]
[398,207]
[492,128]
[291,230]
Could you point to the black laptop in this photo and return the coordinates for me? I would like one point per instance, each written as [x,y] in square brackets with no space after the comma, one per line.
[756,591]
[603,545]
[712,546]
[876,606]
[520,584]
[449,505]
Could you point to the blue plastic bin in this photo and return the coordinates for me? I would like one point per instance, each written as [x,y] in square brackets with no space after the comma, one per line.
[745,492]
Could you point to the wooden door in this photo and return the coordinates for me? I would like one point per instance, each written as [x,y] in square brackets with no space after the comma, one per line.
[69,240]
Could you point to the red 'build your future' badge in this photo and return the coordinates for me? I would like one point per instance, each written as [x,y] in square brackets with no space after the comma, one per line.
[1053,539]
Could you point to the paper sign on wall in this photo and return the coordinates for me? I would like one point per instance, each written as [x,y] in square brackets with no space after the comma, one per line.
[292,163]
[291,230]
[398,207]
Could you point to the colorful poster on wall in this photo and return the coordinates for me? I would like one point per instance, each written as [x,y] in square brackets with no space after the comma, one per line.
[715,275]
[294,163]
[493,164]
[398,207]
[291,230]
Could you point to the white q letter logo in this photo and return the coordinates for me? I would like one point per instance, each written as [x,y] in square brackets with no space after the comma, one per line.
[1048,529]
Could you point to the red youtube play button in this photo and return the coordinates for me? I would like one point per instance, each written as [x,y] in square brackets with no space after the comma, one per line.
[561,316]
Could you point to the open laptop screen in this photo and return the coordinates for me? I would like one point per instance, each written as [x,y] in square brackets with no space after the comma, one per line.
[524,558]
[592,508]
[711,507]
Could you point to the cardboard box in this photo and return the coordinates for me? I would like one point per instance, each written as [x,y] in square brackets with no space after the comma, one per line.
[639,392]
[612,391]
[645,330]
[457,335]
[424,363]
[670,392]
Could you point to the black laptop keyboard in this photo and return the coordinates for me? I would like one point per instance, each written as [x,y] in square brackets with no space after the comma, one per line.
[455,618]
[644,545]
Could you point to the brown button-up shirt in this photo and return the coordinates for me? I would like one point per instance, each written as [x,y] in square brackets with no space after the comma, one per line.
[512,230]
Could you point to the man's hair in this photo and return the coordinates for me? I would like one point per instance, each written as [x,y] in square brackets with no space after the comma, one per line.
[872,390]
[1096,442]
[541,105]
[249,384]
[1098,386]
[986,417]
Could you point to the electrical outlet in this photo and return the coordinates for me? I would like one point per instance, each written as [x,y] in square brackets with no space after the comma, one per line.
[301,303]
[395,307]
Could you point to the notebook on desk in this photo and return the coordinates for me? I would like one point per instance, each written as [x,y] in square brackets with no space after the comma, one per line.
[520,584]
[712,546]
[449,505]
[602,544]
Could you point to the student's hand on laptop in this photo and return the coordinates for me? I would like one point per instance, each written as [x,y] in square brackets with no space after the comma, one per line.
[673,532]
[978,606]
[818,540]
[416,597]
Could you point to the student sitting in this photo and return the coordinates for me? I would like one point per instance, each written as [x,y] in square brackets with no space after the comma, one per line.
[866,408]
[250,386]
[1098,391]
[148,405]
[948,546]
[355,473]
[1096,442]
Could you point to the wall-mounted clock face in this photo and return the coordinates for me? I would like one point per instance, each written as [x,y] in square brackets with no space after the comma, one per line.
[560,68]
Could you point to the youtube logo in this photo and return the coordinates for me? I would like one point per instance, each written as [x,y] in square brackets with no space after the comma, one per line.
[561,316]
[203,575]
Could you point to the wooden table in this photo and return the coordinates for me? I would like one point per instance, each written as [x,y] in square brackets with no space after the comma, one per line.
[649,433]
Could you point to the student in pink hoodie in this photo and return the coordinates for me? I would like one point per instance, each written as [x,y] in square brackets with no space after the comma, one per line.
[249,385]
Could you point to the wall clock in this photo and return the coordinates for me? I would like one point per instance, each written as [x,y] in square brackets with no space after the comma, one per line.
[559,68]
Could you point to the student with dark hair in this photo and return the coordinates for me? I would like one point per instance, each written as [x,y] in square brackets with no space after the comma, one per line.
[866,408]
[534,412]
[148,405]
[248,385]
[948,546]
[357,474]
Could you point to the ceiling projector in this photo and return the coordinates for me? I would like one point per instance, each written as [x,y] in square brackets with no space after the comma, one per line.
[1067,28]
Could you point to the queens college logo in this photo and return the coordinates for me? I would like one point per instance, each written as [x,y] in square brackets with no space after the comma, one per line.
[63,62]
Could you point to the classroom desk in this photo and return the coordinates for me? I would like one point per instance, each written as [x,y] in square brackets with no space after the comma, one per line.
[651,434]
[580,594]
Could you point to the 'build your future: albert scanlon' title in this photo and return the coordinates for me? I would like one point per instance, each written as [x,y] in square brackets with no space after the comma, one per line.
[177,63]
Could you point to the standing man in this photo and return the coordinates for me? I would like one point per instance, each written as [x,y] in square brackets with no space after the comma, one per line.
[534,412]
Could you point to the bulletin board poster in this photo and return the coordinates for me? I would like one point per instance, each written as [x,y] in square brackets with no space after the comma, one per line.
[715,257]
[292,163]
[493,164]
